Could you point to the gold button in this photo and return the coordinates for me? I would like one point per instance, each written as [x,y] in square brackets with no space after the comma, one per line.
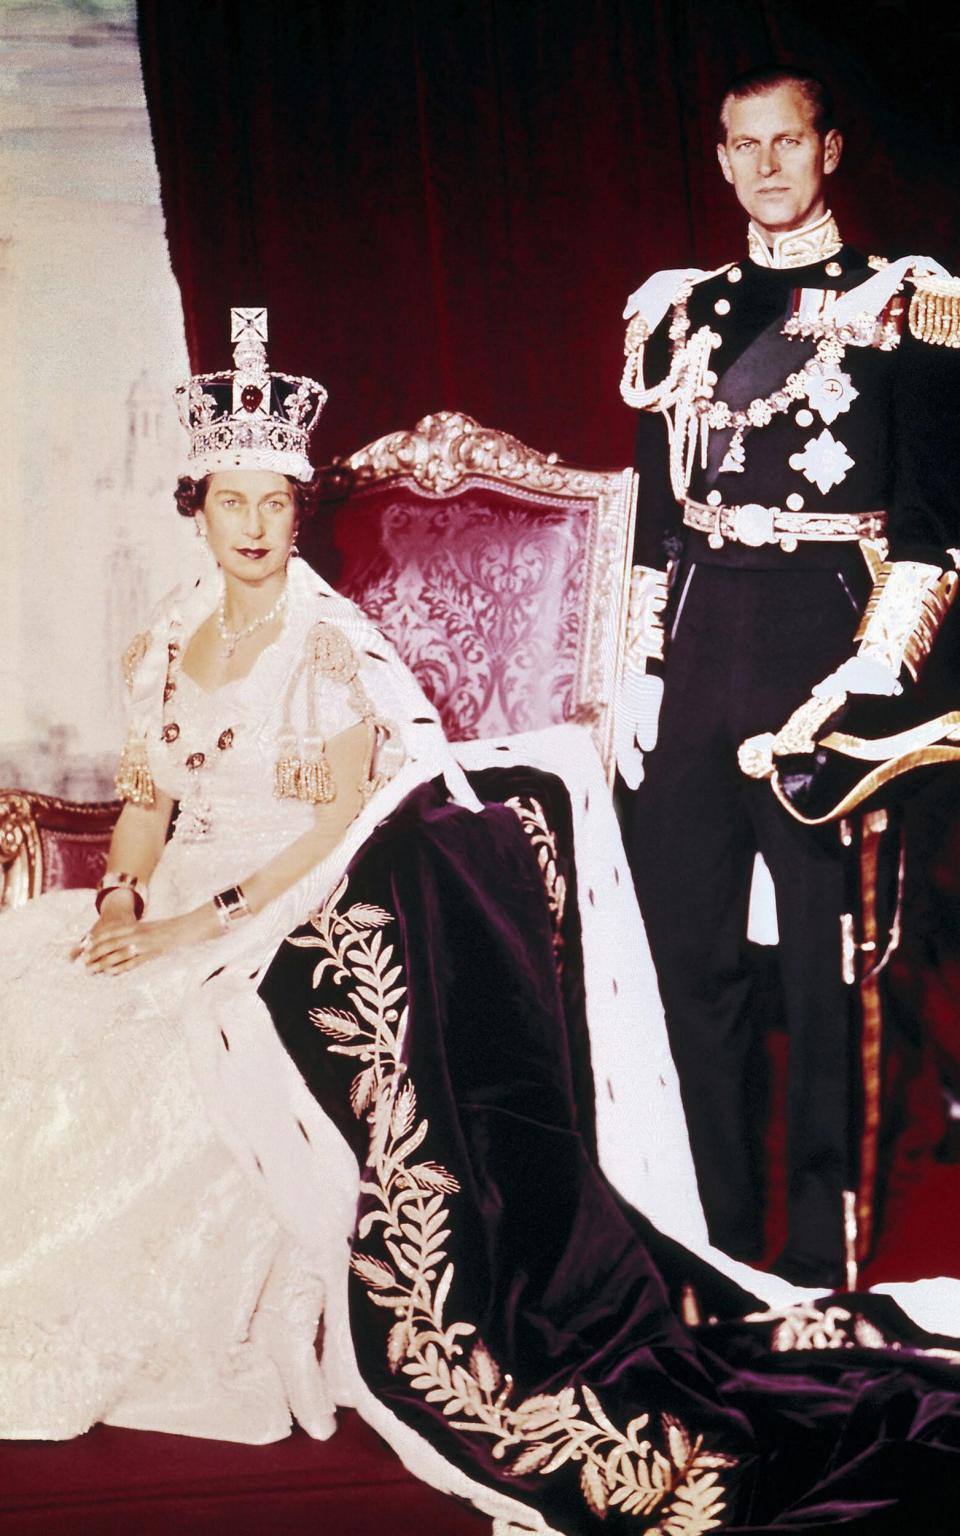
[714,498]
[834,269]
[795,502]
[804,418]
[722,307]
[734,275]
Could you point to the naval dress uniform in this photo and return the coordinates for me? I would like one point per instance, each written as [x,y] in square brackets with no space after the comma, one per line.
[811,430]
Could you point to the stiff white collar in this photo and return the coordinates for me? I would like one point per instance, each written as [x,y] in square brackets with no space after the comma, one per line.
[816,241]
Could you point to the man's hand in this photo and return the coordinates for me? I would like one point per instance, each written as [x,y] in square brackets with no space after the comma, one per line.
[637,722]
[637,707]
[860,674]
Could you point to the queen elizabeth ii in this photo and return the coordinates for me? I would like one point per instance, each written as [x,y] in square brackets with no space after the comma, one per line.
[145,1280]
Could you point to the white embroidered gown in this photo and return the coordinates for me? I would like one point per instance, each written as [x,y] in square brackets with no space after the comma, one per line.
[143,1279]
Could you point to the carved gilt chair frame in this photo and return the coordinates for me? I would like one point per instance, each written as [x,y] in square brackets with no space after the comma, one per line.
[34,826]
[449,453]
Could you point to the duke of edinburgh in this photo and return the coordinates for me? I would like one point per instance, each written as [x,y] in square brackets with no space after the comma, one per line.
[801,507]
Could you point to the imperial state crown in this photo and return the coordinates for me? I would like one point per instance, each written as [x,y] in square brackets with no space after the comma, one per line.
[248,417]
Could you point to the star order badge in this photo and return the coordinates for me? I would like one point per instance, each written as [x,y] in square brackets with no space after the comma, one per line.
[824,461]
[830,391]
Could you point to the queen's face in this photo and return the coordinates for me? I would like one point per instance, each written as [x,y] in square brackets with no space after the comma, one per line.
[249,517]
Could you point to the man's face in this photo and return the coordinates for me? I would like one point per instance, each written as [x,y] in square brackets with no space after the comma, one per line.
[775,160]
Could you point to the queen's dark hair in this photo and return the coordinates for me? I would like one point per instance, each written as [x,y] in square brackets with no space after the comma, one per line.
[759,82]
[191,494]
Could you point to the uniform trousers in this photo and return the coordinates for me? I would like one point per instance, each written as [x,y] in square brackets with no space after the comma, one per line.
[746,648]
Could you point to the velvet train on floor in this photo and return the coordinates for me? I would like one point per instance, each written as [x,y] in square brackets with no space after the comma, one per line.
[518,1329]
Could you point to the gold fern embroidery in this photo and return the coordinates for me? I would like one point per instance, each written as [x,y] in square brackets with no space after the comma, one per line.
[408,1197]
[534,822]
[808,1327]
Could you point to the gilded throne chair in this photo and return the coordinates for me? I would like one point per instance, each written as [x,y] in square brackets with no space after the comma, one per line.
[500,574]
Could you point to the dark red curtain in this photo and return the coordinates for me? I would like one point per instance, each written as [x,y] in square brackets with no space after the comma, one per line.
[444,203]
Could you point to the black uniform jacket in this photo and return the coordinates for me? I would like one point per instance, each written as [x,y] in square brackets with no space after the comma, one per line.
[902,429]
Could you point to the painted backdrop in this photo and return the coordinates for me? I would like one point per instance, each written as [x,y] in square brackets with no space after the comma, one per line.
[91,336]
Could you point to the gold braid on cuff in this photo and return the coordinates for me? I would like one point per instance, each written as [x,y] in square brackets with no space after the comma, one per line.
[648,598]
[907,607]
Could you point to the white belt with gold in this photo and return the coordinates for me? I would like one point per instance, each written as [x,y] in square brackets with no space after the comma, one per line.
[754,525]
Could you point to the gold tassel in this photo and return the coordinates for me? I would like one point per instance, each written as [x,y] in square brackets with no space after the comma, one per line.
[304,778]
[285,778]
[316,781]
[935,311]
[134,781]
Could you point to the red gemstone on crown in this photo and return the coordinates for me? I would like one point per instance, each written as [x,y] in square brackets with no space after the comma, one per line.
[171,732]
[225,739]
[196,760]
[250,397]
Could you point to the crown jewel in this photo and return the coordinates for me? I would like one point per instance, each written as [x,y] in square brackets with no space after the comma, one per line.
[248,417]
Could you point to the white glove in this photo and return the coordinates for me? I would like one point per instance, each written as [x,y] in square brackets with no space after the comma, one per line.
[859,674]
[636,722]
[654,297]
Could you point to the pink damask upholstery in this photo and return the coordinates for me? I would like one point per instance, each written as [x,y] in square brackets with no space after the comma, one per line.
[481,594]
[499,574]
[50,844]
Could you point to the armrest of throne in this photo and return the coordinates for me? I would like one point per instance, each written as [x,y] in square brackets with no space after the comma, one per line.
[50,844]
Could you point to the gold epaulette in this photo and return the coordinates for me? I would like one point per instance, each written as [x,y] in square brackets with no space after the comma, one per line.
[935,311]
[302,770]
[133,780]
[132,657]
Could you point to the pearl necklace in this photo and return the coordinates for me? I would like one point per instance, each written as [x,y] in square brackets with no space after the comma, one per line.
[232,637]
